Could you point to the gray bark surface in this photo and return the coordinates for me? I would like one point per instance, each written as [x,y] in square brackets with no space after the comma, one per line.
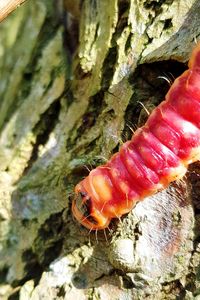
[66,106]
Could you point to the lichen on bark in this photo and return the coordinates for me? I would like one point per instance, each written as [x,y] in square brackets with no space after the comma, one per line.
[64,109]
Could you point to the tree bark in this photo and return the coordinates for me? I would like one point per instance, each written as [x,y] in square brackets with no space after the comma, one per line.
[74,81]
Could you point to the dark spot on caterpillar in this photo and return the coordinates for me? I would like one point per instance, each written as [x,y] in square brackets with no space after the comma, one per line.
[92,220]
[83,204]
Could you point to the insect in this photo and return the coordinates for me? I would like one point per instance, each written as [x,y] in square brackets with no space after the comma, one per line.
[158,153]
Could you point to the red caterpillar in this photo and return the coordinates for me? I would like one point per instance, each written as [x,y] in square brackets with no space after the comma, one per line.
[157,154]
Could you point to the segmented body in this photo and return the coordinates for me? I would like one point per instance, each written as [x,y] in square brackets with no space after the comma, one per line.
[157,154]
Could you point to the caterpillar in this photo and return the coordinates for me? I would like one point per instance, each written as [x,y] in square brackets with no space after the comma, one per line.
[158,153]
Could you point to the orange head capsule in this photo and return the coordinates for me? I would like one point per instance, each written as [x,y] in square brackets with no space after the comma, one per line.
[86,212]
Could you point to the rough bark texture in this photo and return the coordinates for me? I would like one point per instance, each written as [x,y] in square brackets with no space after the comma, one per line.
[66,107]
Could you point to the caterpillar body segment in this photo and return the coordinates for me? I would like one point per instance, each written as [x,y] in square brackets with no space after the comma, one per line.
[158,153]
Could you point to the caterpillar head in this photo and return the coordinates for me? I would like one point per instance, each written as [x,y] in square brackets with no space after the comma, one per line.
[86,211]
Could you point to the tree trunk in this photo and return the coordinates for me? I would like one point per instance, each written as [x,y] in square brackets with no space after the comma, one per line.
[65,107]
